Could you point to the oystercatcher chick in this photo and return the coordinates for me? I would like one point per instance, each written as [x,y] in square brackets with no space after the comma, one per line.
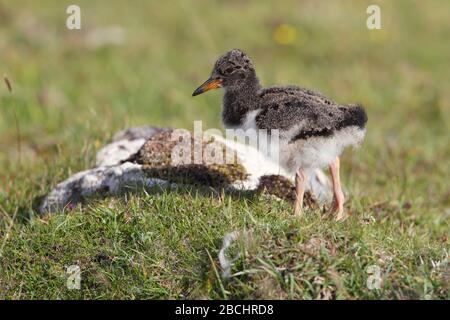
[313,129]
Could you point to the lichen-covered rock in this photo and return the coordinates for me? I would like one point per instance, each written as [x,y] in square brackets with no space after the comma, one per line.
[145,157]
[125,144]
[156,158]
[97,182]
[117,151]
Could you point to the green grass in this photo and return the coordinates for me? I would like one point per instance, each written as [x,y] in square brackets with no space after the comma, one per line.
[70,99]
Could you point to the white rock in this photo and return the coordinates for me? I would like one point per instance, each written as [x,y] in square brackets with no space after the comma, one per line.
[101,180]
[115,152]
[111,176]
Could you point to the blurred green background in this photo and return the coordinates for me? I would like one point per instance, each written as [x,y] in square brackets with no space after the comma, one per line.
[137,63]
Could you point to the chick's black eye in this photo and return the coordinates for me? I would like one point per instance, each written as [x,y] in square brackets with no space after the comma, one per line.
[229,70]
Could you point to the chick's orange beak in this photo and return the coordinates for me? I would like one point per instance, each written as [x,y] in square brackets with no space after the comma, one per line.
[208,85]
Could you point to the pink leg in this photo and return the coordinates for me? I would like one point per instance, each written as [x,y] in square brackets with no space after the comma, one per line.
[338,201]
[300,185]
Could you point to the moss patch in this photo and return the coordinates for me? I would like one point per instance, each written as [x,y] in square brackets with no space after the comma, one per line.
[156,156]
[282,188]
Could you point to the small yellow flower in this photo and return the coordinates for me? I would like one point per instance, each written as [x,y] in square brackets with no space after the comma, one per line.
[285,34]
